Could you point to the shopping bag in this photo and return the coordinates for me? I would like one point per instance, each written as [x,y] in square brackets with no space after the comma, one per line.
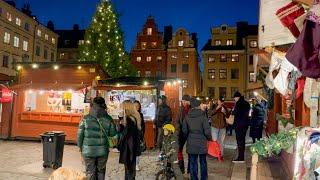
[214,149]
[230,120]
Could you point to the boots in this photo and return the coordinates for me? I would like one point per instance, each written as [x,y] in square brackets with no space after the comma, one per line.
[181,165]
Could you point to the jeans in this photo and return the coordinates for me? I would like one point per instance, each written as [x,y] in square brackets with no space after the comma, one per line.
[219,135]
[194,166]
[159,138]
[96,167]
[130,171]
[241,133]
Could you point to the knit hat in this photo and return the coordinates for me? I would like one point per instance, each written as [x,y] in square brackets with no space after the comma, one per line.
[237,94]
[100,102]
[186,97]
[194,102]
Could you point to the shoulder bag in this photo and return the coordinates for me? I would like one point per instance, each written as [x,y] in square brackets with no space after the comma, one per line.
[112,141]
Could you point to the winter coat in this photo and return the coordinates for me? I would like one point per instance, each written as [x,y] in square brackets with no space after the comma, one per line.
[218,117]
[143,124]
[170,146]
[256,125]
[91,139]
[241,113]
[129,143]
[198,132]
[163,116]
[179,123]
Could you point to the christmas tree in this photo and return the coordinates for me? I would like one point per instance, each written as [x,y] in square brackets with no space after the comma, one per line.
[104,43]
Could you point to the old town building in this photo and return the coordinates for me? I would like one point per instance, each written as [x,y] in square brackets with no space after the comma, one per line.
[228,60]
[149,53]
[23,39]
[183,61]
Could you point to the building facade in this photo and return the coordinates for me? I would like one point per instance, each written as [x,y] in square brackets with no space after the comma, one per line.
[69,42]
[228,60]
[183,61]
[149,54]
[23,39]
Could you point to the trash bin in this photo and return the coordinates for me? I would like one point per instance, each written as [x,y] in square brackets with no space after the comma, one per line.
[53,144]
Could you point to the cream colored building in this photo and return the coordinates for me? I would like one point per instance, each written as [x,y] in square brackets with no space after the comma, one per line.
[23,39]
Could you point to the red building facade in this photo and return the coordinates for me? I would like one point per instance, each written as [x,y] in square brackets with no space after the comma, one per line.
[149,53]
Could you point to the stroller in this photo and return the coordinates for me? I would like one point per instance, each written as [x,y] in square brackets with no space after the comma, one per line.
[166,171]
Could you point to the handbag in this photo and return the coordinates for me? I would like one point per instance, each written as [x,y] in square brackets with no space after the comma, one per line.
[230,120]
[142,143]
[112,141]
[214,150]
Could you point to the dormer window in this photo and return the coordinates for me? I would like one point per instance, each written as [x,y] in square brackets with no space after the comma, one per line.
[149,31]
[180,43]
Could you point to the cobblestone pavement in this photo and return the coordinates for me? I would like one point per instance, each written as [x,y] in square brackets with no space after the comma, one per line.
[22,160]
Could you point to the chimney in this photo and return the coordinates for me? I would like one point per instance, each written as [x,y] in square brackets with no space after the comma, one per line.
[26,10]
[167,35]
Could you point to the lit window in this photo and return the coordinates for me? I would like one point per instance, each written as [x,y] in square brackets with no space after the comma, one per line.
[149,59]
[234,73]
[6,38]
[62,55]
[25,45]
[148,73]
[180,43]
[53,40]
[81,42]
[235,57]
[159,58]
[218,42]
[223,74]
[46,37]
[16,41]
[174,56]
[138,73]
[39,32]
[9,16]
[229,42]
[154,44]
[143,45]
[211,59]
[186,55]
[18,21]
[139,59]
[252,77]
[185,83]
[149,31]
[253,44]
[223,58]
[211,73]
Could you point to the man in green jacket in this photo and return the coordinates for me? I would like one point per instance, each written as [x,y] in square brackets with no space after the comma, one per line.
[93,133]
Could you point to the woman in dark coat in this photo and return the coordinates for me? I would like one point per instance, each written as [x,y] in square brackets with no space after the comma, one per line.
[257,119]
[138,106]
[129,145]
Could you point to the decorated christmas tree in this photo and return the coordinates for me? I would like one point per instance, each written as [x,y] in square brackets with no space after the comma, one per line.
[104,43]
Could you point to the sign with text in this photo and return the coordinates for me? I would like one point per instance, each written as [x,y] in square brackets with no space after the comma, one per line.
[5,95]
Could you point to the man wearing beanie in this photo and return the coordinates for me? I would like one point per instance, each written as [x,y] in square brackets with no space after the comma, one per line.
[241,123]
[197,130]
[184,110]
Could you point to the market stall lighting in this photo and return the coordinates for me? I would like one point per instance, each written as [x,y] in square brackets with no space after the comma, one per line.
[35,66]
[145,83]
[207,98]
[79,67]
[174,82]
[98,77]
[118,84]
[169,83]
[198,98]
[19,67]
[30,91]
[70,90]
[179,81]
[41,92]
[55,67]
[60,92]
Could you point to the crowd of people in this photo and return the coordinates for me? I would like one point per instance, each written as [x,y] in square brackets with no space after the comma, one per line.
[197,123]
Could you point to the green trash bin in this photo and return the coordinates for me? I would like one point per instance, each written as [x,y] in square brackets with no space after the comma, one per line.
[53,144]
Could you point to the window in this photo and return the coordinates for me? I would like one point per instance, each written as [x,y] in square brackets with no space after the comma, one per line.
[223,74]
[223,58]
[158,74]
[218,42]
[253,44]
[234,73]
[211,73]
[154,44]
[39,32]
[138,73]
[5,62]
[45,54]
[235,57]
[159,58]
[25,58]
[81,42]
[149,31]
[143,45]
[174,56]
[211,92]
[52,56]
[6,38]
[66,42]
[139,59]
[16,41]
[148,73]
[53,40]
[186,55]
[180,43]
[149,59]
[25,45]
[26,26]
[62,55]
[211,59]
[9,16]
[185,83]
[46,37]
[233,90]
[173,68]
[251,60]
[38,50]
[229,42]
[18,21]
[252,77]
[222,91]
[185,68]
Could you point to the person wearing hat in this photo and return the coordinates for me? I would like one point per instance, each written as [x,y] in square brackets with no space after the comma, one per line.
[92,139]
[184,110]
[163,116]
[241,123]
[170,149]
[198,132]
[257,120]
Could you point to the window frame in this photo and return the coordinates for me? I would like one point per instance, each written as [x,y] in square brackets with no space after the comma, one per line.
[229,42]
[225,57]
[211,74]
[9,16]
[225,92]
[16,41]
[226,73]
[7,38]
[237,71]
[148,58]
[185,68]
[251,80]
[25,46]
[39,32]
[38,50]
[138,58]
[18,21]
[180,43]
[233,57]
[143,45]
[175,68]
[149,31]
[217,44]
[147,73]
[254,46]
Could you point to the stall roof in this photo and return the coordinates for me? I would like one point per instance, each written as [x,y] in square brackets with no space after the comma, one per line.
[49,86]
